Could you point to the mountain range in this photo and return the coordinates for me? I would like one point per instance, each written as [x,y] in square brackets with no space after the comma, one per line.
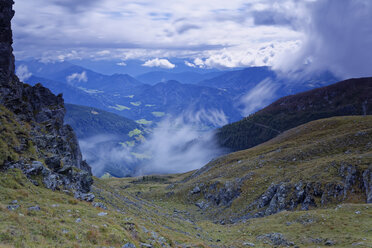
[225,93]
[310,186]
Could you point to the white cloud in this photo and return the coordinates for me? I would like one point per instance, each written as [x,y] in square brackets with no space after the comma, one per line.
[214,117]
[218,33]
[162,63]
[102,153]
[23,72]
[258,97]
[213,31]
[122,63]
[189,64]
[176,147]
[79,77]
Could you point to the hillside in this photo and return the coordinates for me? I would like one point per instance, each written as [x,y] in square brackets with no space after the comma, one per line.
[350,97]
[317,164]
[88,122]
[307,188]
[106,139]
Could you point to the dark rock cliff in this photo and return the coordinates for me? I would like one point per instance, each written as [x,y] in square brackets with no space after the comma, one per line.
[55,144]
[6,51]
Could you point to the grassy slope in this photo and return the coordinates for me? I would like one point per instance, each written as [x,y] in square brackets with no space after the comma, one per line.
[313,152]
[14,138]
[138,218]
[138,206]
[350,97]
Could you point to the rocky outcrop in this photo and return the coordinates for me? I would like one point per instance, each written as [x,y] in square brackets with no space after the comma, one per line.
[217,193]
[350,182]
[275,239]
[73,181]
[367,184]
[6,40]
[307,195]
[42,114]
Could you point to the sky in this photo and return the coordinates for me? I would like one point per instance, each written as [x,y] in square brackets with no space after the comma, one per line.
[288,35]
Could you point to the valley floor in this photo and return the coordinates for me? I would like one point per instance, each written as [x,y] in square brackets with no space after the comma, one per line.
[62,221]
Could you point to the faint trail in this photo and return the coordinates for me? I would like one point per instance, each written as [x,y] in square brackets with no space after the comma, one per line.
[265,126]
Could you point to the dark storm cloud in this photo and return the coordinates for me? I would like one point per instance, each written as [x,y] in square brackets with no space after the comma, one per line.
[268,17]
[338,38]
[187,27]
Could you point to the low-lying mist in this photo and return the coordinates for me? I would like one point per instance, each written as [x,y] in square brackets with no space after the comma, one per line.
[105,155]
[175,145]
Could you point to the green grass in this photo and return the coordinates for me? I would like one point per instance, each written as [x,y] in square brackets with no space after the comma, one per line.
[120,107]
[134,132]
[137,104]
[162,204]
[158,114]
[144,122]
[313,152]
[55,224]
[14,138]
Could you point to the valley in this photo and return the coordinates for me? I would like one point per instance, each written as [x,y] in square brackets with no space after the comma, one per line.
[119,138]
[166,211]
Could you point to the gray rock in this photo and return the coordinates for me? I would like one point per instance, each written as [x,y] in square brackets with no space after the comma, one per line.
[274,239]
[146,245]
[223,196]
[249,244]
[102,214]
[13,207]
[330,243]
[54,163]
[35,168]
[14,202]
[99,205]
[35,208]
[84,197]
[128,245]
[202,204]
[358,243]
[78,220]
[196,190]
[367,184]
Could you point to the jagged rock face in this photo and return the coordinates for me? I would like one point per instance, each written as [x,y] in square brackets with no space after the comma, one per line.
[6,40]
[43,112]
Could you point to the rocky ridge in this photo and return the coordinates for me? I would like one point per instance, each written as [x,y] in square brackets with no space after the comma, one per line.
[56,155]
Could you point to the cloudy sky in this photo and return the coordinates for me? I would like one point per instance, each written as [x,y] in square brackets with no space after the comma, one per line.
[331,35]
